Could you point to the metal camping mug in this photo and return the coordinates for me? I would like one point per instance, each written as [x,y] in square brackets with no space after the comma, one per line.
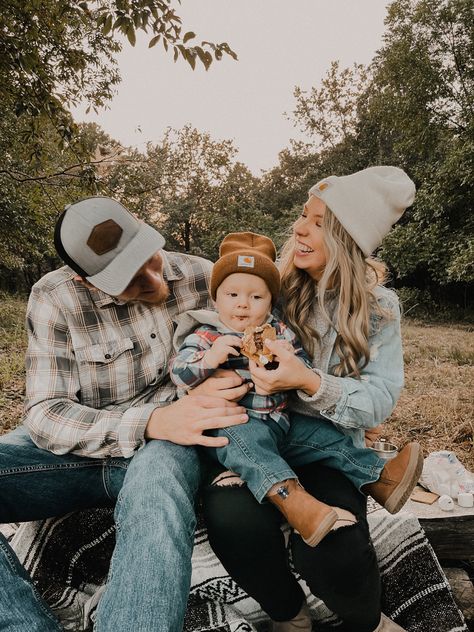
[384,449]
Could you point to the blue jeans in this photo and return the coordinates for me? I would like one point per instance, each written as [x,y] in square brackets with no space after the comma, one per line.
[153,494]
[263,454]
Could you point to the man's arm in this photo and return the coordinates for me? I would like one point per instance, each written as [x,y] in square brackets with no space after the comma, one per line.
[59,422]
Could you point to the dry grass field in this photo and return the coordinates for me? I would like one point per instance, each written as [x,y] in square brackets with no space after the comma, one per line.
[436,408]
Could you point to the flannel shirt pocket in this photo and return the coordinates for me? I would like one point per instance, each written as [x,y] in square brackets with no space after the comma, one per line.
[105,353]
[108,372]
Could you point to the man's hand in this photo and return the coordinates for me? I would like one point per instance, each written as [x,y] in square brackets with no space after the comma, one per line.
[225,384]
[185,421]
[221,349]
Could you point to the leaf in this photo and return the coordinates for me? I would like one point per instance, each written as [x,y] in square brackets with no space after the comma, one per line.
[189,35]
[108,24]
[191,59]
[137,20]
[154,41]
[132,38]
[204,56]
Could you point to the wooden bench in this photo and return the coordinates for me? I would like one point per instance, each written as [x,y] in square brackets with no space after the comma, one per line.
[451,533]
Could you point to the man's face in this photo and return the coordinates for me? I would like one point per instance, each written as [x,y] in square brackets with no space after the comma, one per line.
[148,285]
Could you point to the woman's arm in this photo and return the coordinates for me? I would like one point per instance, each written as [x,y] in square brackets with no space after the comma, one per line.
[350,402]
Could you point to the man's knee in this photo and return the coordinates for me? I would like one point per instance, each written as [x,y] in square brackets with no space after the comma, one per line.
[167,462]
[160,486]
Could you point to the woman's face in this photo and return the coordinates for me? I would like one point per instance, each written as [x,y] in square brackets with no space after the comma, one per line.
[310,249]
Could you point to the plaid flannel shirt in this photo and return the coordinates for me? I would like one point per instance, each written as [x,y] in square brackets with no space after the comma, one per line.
[188,368]
[96,367]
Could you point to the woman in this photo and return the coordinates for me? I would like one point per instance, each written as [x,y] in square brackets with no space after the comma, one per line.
[333,298]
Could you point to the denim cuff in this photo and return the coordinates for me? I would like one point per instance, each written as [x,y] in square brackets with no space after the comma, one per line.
[328,394]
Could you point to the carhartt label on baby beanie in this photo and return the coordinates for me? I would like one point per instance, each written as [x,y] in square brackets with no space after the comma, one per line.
[245,261]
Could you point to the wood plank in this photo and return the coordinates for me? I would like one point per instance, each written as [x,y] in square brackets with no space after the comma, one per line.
[452,538]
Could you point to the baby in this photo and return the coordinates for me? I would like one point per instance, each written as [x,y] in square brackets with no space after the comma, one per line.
[245,284]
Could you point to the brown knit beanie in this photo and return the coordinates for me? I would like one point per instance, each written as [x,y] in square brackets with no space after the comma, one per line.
[248,253]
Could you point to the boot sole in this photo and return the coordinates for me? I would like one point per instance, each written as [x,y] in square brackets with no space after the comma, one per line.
[323,529]
[404,489]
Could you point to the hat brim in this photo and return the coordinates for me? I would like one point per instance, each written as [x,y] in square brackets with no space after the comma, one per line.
[117,275]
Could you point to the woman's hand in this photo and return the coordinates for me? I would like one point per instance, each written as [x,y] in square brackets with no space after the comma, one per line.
[373,434]
[291,373]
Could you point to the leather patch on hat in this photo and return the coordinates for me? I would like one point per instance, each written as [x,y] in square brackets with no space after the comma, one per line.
[104,237]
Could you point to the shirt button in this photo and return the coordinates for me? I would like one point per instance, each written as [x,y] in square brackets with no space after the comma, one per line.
[107,356]
[152,335]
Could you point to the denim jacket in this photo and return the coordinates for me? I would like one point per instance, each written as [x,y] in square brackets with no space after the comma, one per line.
[354,405]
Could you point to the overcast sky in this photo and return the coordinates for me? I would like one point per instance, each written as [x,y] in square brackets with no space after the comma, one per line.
[280,44]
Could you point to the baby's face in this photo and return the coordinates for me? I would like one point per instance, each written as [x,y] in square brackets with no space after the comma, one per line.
[243,300]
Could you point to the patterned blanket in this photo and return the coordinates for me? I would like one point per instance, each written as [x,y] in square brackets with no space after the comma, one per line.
[68,559]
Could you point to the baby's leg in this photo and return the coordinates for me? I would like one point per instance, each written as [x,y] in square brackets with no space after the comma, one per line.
[313,439]
[253,453]
[390,483]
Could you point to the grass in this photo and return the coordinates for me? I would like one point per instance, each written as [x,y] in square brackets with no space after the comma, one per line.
[12,360]
[436,407]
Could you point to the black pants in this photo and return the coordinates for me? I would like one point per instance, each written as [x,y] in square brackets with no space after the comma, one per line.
[342,570]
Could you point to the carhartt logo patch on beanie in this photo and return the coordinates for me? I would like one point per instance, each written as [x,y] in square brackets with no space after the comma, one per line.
[367,203]
[249,253]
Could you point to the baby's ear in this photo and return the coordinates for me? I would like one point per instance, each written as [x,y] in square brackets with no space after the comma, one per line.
[85,282]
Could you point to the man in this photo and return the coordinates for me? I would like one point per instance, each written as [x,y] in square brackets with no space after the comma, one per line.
[102,426]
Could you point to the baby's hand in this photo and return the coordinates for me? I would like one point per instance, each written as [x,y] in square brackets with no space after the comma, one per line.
[221,349]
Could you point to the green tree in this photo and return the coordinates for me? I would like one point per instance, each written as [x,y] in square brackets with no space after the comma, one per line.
[54,53]
[412,108]
[422,108]
[30,201]
[190,186]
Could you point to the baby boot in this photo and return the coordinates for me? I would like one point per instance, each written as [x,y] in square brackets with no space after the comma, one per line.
[312,519]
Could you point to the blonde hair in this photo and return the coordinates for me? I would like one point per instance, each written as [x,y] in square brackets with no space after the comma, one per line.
[354,277]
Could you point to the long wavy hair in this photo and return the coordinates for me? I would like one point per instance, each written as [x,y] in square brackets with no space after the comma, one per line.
[348,274]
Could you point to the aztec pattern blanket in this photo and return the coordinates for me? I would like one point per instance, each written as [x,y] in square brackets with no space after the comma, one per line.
[68,559]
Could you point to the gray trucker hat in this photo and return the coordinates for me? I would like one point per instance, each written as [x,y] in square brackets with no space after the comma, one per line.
[103,242]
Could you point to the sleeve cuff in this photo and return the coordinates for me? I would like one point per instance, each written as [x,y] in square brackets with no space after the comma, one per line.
[328,394]
[131,431]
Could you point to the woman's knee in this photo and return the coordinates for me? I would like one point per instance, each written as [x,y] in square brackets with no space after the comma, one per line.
[231,512]
[330,560]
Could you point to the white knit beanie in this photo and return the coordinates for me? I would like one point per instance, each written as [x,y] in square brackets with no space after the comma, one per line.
[368,202]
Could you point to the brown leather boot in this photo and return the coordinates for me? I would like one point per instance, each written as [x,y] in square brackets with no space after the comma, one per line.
[397,479]
[311,518]
[300,623]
